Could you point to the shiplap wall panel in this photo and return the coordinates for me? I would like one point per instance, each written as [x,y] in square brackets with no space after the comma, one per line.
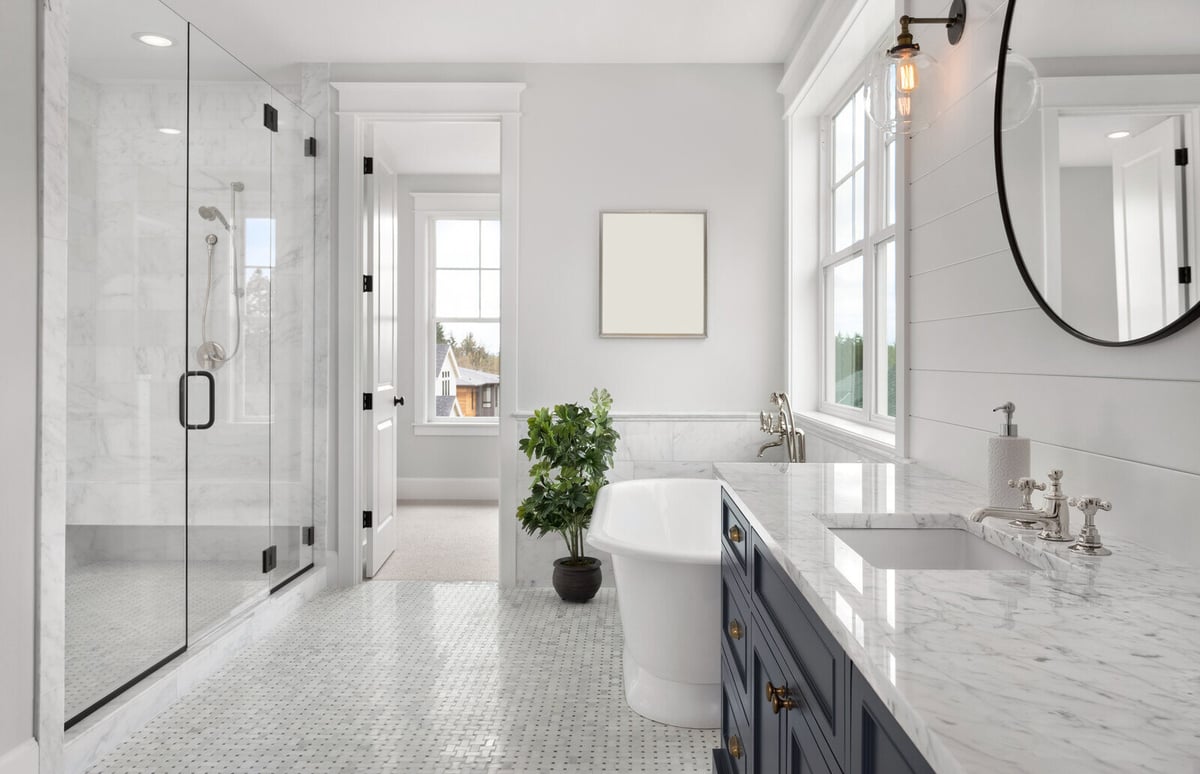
[1122,423]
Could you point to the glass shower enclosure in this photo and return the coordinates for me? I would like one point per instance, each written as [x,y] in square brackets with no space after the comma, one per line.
[190,370]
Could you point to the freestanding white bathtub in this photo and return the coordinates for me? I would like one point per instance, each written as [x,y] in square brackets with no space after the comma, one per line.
[664,537]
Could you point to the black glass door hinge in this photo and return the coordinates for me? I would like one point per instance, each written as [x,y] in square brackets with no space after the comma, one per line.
[1181,157]
[1185,275]
[368,401]
[367,520]
[368,283]
[269,559]
[309,534]
[310,146]
[368,165]
[270,117]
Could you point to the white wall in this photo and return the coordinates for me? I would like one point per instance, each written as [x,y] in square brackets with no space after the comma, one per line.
[641,137]
[431,456]
[1120,421]
[1089,256]
[18,387]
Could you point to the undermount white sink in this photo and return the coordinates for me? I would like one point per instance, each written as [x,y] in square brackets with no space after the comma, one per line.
[928,549]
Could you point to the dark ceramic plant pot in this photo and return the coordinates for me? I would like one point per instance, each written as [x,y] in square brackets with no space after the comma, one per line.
[577,582]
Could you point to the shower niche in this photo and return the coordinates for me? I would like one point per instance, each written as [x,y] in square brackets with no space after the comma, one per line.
[190,374]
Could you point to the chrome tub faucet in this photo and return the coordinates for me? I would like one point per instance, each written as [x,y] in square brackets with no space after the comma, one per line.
[782,425]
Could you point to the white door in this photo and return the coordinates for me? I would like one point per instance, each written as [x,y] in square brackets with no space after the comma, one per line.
[379,377]
[1148,224]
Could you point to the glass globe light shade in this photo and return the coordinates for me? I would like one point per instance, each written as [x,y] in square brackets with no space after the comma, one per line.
[903,91]
[1022,92]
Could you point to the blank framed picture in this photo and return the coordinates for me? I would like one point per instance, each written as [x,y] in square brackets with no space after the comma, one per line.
[654,274]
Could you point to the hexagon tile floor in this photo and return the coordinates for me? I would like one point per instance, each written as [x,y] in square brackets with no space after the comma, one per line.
[413,676]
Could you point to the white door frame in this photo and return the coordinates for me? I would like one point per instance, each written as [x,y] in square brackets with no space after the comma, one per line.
[360,105]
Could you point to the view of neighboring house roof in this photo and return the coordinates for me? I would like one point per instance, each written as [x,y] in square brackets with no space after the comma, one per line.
[469,377]
[439,359]
[447,406]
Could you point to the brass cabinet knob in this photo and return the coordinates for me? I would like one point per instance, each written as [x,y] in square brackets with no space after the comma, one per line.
[735,630]
[735,746]
[780,698]
[735,534]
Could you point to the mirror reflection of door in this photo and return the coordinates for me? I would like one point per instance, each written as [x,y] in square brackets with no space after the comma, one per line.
[1149,231]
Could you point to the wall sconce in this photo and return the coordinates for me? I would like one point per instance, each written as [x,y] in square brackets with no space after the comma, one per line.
[898,73]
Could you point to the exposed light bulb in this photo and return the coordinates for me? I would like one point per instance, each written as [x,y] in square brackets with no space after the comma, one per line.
[904,106]
[907,79]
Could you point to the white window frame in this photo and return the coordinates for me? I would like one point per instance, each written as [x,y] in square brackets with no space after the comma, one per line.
[427,208]
[875,235]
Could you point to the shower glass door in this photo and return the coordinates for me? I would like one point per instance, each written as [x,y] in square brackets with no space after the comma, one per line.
[126,291]
[290,279]
[231,253]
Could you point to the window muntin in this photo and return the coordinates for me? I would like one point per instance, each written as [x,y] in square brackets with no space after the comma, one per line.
[464,256]
[858,265]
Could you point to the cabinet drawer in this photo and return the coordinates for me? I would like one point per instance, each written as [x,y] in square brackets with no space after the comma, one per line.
[809,651]
[735,731]
[735,629]
[735,533]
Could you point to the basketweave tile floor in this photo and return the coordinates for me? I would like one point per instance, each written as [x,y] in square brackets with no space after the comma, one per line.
[418,676]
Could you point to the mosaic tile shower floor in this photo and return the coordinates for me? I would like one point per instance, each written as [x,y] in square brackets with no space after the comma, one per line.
[412,676]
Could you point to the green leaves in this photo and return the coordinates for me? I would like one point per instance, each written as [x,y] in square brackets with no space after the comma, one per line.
[571,447]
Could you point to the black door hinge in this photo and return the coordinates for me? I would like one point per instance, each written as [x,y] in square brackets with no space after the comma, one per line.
[1181,157]
[368,283]
[310,146]
[309,535]
[366,519]
[269,559]
[368,401]
[368,165]
[1185,275]
[270,118]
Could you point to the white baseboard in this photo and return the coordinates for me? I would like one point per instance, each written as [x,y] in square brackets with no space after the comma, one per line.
[22,759]
[447,489]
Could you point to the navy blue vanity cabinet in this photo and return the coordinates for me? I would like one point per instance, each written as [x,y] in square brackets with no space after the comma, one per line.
[880,745]
[792,700]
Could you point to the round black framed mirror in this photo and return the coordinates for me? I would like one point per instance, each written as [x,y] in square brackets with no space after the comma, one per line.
[1097,149]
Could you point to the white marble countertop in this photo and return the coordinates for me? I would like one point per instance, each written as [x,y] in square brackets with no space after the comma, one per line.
[1084,665]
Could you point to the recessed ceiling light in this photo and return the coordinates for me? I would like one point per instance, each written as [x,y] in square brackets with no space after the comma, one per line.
[1120,134]
[152,39]
[169,130]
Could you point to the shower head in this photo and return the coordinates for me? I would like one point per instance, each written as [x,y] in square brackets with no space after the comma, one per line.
[212,213]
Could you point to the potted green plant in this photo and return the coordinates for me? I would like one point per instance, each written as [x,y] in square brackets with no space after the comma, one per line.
[571,447]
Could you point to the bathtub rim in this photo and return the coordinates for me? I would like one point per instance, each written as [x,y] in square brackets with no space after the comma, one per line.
[598,537]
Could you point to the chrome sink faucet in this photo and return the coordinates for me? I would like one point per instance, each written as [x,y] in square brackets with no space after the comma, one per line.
[1054,516]
[784,426]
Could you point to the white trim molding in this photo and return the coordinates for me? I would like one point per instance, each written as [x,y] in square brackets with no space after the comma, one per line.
[474,489]
[360,106]
[22,759]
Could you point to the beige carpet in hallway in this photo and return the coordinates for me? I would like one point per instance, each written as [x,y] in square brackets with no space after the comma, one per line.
[445,541]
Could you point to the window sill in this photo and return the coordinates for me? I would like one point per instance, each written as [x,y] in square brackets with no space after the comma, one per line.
[849,433]
[457,428]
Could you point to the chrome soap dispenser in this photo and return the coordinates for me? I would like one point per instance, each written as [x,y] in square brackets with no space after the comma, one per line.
[1008,460]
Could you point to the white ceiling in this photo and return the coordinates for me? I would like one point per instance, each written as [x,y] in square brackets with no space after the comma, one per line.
[1083,140]
[269,34]
[439,148]
[1073,28]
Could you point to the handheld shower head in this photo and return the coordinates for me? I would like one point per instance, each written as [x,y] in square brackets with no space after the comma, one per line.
[212,213]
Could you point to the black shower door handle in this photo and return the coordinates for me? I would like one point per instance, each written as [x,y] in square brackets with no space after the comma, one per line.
[183,401]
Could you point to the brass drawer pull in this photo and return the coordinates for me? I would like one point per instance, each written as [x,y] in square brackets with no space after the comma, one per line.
[780,698]
[735,630]
[735,534]
[735,746]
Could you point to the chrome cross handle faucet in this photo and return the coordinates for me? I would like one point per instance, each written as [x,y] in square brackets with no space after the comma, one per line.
[1054,516]
[1089,537]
